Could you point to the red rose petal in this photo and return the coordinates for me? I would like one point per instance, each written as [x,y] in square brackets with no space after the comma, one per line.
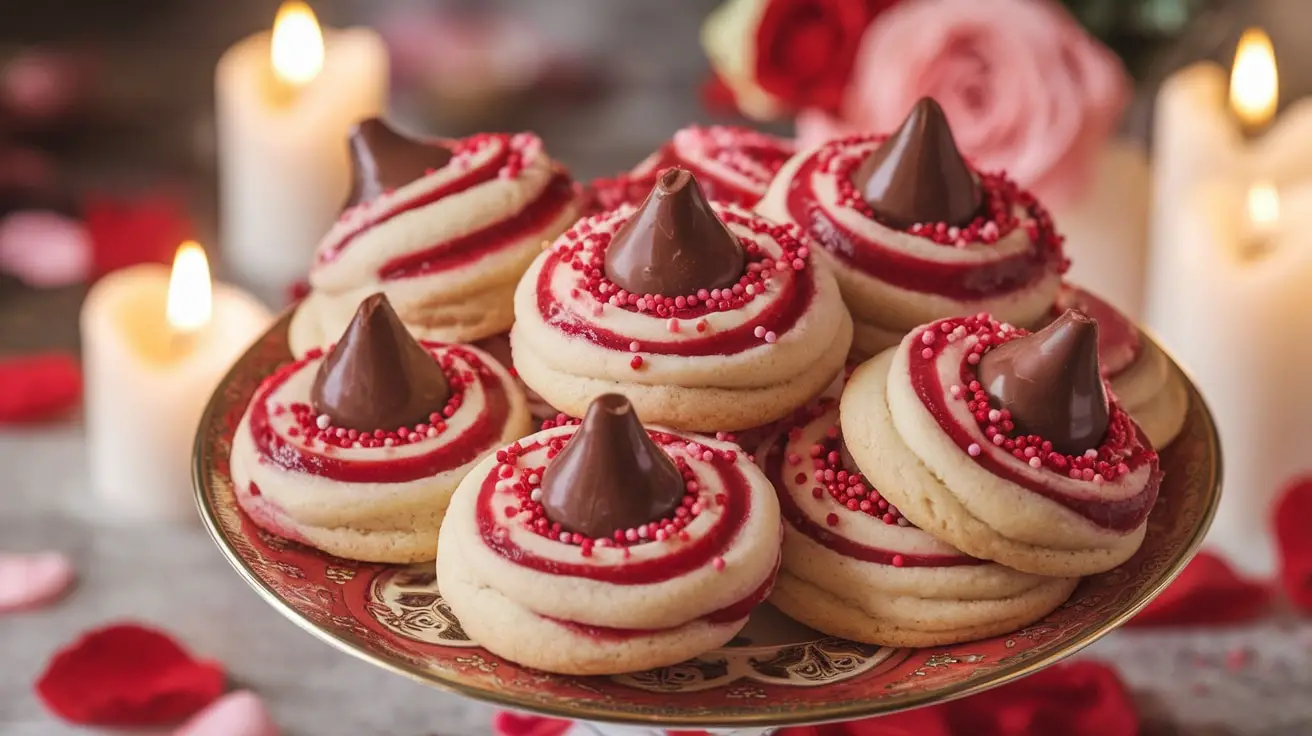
[125,232]
[1207,593]
[127,675]
[38,387]
[509,723]
[1293,525]
[31,581]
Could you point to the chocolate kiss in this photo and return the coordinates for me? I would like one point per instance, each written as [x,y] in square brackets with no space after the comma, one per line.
[610,475]
[383,159]
[918,174]
[1051,382]
[377,376]
[674,244]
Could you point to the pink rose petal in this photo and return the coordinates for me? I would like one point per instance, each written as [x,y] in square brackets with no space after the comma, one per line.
[239,713]
[44,249]
[32,580]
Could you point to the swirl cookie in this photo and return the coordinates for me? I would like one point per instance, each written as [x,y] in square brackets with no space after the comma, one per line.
[444,228]
[358,451]
[706,316]
[604,547]
[732,165]
[1139,372]
[913,234]
[1004,444]
[854,567]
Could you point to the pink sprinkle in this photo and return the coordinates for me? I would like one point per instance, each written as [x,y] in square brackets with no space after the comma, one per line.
[672,325]
[927,337]
[771,338]
[899,560]
[1036,462]
[718,564]
[973,358]
[634,347]
[927,353]
[973,450]
[759,332]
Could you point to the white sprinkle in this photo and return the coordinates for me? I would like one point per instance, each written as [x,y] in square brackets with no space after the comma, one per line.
[994,415]
[1035,462]
[642,532]
[1091,454]
[536,495]
[634,346]
[322,421]
[389,442]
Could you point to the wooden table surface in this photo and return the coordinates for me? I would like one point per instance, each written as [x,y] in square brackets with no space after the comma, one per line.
[159,65]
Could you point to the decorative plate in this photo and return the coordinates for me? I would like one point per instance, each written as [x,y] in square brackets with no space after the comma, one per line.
[777,672]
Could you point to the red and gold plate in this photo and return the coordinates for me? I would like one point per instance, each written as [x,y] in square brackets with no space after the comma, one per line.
[776,672]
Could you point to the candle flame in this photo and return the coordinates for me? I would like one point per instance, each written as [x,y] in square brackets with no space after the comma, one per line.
[190,300]
[1254,83]
[297,46]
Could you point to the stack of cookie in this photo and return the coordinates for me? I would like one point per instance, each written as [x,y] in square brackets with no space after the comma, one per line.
[954,486]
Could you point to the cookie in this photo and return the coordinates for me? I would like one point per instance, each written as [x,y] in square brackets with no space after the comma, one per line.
[706,316]
[913,233]
[445,228]
[732,164]
[854,567]
[357,451]
[1005,444]
[606,547]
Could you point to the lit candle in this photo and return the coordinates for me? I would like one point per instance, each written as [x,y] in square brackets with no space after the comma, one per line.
[1231,269]
[286,101]
[155,343]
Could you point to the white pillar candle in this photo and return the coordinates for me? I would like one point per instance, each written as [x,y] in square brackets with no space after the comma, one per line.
[1241,321]
[153,350]
[286,101]
[1238,320]
[1106,227]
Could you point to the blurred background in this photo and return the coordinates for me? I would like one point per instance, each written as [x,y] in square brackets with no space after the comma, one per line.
[108,157]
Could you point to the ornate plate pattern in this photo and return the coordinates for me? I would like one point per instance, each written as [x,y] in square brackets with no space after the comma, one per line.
[776,672]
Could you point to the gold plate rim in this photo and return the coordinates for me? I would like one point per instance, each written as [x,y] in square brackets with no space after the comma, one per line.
[202,462]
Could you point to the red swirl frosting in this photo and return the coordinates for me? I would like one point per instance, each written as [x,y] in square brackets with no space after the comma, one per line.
[289,435]
[574,296]
[816,471]
[1113,486]
[477,160]
[732,164]
[1010,246]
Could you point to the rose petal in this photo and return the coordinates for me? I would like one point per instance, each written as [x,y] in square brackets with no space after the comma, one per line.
[30,581]
[1293,526]
[127,675]
[508,723]
[38,387]
[1207,593]
[240,713]
[44,249]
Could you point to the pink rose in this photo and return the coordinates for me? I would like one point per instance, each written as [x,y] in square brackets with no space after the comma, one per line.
[1025,88]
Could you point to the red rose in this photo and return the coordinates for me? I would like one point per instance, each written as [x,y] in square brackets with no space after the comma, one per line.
[805,48]
[778,56]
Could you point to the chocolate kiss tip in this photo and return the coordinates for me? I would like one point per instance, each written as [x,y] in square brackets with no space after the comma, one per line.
[377,376]
[918,175]
[674,244]
[383,159]
[1051,382]
[610,475]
